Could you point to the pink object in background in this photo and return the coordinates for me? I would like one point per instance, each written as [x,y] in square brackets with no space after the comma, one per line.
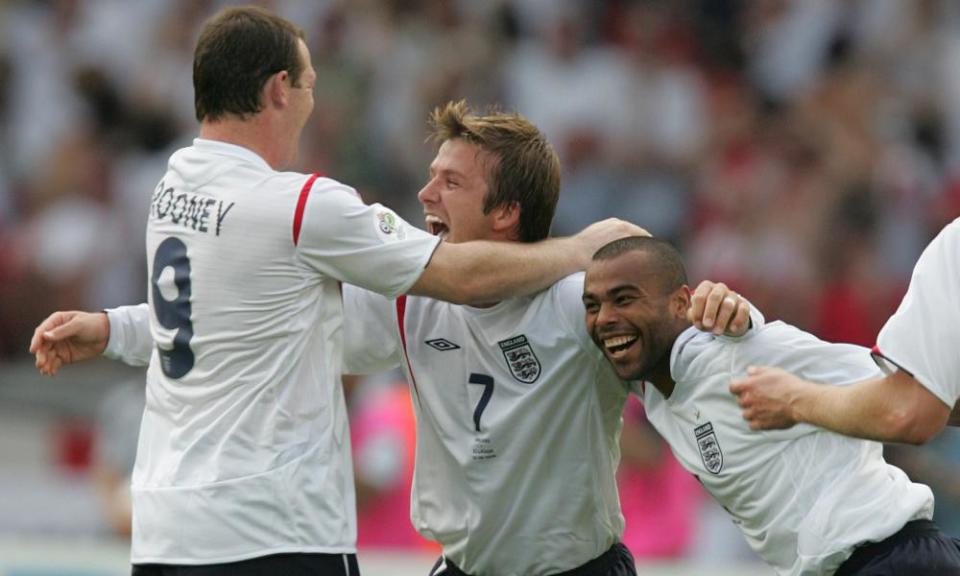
[660,500]
[383,433]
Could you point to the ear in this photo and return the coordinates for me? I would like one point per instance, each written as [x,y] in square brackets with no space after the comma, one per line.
[277,90]
[506,218]
[680,302]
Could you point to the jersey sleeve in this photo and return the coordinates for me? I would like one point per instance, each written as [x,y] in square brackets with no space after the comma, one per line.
[370,337]
[366,245]
[130,340]
[784,346]
[567,302]
[923,335]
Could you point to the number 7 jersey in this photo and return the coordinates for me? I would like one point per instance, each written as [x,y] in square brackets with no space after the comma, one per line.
[518,421]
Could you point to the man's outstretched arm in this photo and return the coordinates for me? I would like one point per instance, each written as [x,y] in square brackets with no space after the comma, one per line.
[487,271]
[68,337]
[893,408]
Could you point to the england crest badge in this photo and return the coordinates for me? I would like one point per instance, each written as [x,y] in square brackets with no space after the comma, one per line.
[523,363]
[710,451]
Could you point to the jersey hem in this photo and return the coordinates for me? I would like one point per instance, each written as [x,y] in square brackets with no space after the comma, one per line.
[243,556]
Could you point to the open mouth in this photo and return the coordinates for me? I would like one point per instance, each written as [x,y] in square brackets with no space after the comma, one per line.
[617,346]
[436,226]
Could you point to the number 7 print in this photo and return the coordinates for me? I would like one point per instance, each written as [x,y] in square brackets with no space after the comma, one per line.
[487,383]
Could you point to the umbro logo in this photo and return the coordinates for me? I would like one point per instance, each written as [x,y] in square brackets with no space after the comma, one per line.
[441,344]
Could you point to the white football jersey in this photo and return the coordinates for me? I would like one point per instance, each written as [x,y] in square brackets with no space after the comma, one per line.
[803,497]
[923,336]
[244,447]
[518,420]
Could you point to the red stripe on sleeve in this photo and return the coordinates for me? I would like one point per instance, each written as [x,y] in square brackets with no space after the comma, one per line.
[401,315]
[301,205]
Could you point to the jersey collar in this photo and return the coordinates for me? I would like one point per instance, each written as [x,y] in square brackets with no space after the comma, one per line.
[227,149]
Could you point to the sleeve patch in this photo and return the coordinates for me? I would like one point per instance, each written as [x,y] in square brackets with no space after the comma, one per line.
[389,226]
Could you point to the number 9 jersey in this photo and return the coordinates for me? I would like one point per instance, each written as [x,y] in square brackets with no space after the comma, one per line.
[244,449]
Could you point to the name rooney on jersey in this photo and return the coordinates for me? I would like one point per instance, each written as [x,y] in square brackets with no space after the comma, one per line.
[188,210]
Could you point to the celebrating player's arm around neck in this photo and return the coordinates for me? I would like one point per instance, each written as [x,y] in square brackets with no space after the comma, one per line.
[495,179]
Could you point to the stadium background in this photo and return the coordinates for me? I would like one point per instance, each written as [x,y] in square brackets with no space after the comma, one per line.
[802,151]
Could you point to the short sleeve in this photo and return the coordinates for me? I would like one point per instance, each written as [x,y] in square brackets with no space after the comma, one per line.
[923,336]
[366,245]
[130,340]
[567,302]
[784,346]
[370,336]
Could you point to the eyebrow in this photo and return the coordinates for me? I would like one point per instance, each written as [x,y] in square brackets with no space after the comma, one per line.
[446,171]
[619,289]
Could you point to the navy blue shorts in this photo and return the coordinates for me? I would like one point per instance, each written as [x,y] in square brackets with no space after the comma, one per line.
[616,561]
[918,548]
[295,564]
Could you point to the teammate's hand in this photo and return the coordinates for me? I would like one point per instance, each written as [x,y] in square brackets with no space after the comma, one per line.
[599,234]
[716,308]
[67,337]
[766,397]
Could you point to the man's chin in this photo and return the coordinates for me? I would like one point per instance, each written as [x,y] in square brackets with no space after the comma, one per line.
[626,369]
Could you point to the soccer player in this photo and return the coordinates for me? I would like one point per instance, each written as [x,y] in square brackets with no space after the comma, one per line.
[917,348]
[517,413]
[808,501]
[243,464]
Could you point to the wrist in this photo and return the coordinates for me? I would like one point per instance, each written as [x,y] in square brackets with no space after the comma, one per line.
[578,252]
[103,320]
[798,403]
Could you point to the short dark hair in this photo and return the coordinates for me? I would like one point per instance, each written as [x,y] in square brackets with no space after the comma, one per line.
[238,50]
[666,260]
[525,167]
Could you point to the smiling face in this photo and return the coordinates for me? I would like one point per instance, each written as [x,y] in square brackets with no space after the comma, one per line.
[631,316]
[453,196]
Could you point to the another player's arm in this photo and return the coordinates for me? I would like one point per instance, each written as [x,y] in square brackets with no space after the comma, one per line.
[485,271]
[715,308]
[68,337]
[893,408]
[370,339]
[954,419]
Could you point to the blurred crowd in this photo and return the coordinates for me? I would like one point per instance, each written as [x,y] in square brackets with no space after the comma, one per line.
[803,151]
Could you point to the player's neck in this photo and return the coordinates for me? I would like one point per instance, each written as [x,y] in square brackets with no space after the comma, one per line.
[660,377]
[252,134]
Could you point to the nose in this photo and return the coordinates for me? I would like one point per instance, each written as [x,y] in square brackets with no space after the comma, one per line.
[606,315]
[428,194]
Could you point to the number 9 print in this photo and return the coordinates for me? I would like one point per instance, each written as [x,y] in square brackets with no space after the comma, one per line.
[174,314]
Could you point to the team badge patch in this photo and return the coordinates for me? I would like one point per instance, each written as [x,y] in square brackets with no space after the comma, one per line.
[710,451]
[389,225]
[523,363]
